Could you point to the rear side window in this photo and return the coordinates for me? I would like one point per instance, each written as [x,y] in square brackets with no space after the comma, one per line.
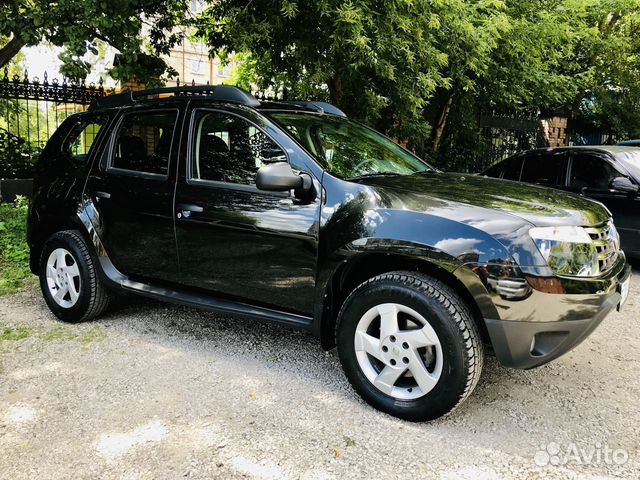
[143,142]
[544,170]
[509,169]
[82,137]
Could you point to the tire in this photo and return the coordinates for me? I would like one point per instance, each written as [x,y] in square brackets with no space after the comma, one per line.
[432,362]
[69,280]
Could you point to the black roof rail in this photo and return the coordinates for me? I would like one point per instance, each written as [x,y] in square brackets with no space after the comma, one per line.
[321,107]
[220,93]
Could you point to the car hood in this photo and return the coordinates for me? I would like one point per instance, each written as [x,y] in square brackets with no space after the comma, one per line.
[448,193]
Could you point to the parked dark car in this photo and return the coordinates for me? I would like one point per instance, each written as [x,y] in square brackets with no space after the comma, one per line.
[609,174]
[292,213]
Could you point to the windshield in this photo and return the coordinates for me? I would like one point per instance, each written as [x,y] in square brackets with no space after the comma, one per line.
[631,160]
[348,149]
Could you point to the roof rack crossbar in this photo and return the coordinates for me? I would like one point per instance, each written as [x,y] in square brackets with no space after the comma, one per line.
[222,93]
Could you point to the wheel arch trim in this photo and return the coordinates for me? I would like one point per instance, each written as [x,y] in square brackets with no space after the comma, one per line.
[336,285]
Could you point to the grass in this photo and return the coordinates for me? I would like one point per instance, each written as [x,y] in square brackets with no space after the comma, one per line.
[14,251]
[13,334]
[85,337]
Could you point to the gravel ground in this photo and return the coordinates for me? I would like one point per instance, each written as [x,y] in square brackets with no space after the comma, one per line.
[158,391]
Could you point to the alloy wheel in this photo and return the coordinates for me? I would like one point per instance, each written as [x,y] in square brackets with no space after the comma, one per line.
[63,278]
[398,351]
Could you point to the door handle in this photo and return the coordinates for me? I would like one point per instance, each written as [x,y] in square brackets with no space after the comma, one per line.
[102,194]
[186,209]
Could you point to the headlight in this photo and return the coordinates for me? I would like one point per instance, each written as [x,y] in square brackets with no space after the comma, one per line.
[615,235]
[568,250]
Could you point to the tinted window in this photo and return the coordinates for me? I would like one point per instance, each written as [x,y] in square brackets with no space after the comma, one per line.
[591,171]
[143,142]
[82,136]
[509,169]
[631,160]
[227,148]
[543,169]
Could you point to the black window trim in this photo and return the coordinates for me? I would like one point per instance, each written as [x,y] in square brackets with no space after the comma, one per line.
[109,169]
[217,184]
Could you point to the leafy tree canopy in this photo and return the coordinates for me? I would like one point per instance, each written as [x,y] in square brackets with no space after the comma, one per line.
[381,61]
[410,66]
[80,26]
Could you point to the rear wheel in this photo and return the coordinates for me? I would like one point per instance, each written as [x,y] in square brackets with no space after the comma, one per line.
[69,280]
[409,346]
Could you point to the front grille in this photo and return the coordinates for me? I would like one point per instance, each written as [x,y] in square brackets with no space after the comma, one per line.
[605,246]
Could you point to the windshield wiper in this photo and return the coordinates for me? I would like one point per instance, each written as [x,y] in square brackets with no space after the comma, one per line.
[376,174]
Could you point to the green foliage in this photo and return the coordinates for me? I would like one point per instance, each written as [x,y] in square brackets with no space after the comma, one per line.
[14,251]
[365,56]
[14,334]
[422,70]
[16,160]
[80,27]
[84,336]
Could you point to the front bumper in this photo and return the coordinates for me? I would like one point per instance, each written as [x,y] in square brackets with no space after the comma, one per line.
[542,317]
[531,344]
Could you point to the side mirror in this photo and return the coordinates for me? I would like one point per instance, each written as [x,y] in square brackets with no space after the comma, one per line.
[623,184]
[278,177]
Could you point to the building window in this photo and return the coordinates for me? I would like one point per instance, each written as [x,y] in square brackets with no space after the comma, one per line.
[196,66]
[223,70]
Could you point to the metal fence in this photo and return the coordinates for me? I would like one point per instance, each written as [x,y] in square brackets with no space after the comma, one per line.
[31,110]
[506,134]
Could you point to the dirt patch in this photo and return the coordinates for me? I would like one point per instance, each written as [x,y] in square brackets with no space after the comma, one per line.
[158,391]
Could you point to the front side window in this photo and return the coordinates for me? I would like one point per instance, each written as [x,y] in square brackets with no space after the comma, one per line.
[349,149]
[631,160]
[543,169]
[591,171]
[82,137]
[227,148]
[143,142]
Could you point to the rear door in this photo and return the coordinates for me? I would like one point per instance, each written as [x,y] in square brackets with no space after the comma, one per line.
[132,189]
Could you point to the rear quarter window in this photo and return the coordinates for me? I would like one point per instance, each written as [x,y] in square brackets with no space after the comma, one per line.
[508,169]
[81,138]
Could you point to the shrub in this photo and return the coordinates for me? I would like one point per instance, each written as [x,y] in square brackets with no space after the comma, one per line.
[16,159]
[14,251]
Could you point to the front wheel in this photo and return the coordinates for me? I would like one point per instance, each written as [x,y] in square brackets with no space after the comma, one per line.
[409,346]
[69,280]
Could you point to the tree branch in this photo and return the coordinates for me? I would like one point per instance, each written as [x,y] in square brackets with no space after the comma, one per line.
[11,49]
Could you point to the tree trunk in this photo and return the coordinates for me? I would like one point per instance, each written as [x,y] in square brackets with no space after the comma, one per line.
[442,122]
[11,49]
[335,90]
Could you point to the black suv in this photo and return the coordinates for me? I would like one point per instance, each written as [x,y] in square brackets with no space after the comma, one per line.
[290,212]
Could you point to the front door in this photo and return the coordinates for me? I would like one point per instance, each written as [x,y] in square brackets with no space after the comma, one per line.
[233,239]
[132,189]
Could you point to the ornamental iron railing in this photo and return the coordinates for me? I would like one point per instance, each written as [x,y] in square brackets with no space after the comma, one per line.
[32,109]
